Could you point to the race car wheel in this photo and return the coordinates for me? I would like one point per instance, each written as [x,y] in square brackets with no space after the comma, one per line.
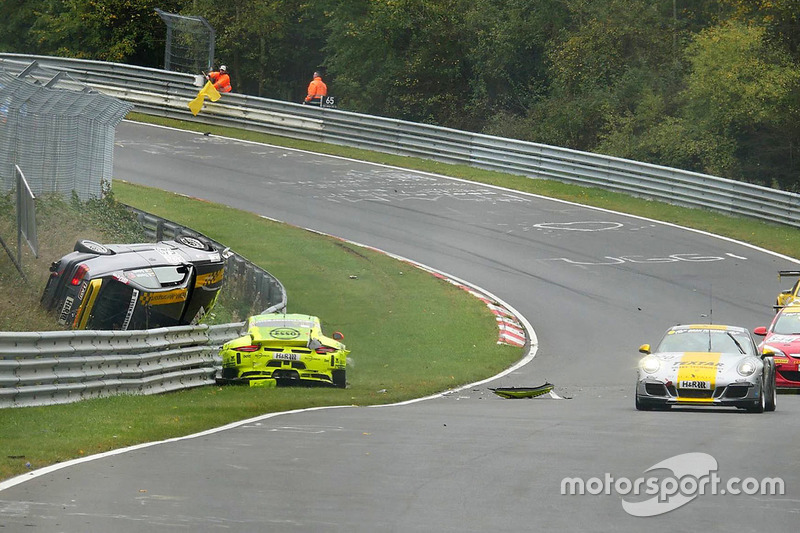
[759,405]
[90,247]
[642,406]
[771,400]
[194,242]
[339,379]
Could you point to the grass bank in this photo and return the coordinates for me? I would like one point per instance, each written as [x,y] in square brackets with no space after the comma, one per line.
[410,335]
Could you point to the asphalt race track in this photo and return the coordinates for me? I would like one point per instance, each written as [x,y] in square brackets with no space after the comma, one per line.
[593,284]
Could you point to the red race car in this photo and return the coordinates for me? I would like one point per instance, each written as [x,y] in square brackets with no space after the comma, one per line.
[783,335]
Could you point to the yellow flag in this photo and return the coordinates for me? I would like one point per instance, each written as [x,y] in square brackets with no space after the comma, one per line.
[211,91]
[208,90]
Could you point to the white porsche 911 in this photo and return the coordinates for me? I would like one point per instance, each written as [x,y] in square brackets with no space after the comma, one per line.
[706,365]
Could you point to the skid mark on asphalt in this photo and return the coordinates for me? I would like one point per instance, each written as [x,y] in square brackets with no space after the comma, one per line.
[383,185]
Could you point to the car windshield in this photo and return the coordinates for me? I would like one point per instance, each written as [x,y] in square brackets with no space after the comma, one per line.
[706,340]
[787,324]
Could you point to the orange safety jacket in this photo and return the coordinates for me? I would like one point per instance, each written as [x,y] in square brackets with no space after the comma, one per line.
[221,81]
[316,89]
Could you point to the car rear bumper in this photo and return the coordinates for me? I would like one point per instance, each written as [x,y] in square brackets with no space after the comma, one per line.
[281,377]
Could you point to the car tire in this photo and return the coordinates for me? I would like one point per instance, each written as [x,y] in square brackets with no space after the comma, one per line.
[90,247]
[641,406]
[759,405]
[194,242]
[339,379]
[771,401]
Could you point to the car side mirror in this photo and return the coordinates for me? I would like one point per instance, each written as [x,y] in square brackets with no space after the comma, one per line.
[761,331]
[337,336]
[644,348]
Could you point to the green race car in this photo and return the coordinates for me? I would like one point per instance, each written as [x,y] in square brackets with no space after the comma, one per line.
[285,349]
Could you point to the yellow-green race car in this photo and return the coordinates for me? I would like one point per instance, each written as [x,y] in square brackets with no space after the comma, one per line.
[285,349]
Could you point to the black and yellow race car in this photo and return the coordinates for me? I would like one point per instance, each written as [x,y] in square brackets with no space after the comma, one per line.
[135,286]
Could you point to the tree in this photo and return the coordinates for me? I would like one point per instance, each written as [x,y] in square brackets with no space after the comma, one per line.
[743,89]
[271,47]
[124,31]
[449,62]
[18,16]
[607,58]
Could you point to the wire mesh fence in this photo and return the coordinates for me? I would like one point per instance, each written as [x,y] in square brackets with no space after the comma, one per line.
[190,43]
[59,132]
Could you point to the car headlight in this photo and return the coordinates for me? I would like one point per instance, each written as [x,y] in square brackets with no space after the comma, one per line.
[772,351]
[746,367]
[650,364]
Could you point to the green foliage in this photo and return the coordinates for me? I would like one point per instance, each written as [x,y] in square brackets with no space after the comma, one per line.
[123,31]
[742,90]
[264,44]
[60,223]
[621,77]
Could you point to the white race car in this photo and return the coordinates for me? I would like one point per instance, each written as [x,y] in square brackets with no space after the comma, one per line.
[706,365]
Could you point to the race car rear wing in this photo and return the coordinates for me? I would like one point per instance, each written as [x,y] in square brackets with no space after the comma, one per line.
[786,273]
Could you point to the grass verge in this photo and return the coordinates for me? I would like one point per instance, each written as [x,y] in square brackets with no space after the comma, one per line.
[410,335]
[61,222]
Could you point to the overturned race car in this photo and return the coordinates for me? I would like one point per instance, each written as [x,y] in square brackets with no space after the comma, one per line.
[135,286]
[284,349]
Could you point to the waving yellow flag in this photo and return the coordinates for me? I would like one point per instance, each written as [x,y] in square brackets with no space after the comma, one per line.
[208,90]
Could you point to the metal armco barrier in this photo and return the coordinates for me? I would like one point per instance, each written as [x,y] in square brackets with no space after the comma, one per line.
[53,367]
[266,291]
[55,370]
[164,93]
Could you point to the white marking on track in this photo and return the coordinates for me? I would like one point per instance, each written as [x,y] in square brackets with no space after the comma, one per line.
[579,226]
[307,429]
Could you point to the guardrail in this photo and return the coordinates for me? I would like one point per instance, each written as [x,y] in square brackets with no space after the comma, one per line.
[164,93]
[266,291]
[52,367]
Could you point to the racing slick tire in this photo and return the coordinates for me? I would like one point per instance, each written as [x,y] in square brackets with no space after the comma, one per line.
[771,401]
[759,405]
[90,247]
[194,242]
[641,406]
[339,379]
